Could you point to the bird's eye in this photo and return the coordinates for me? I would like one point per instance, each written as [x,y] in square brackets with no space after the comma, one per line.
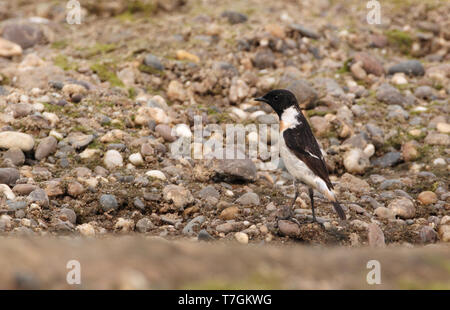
[276,98]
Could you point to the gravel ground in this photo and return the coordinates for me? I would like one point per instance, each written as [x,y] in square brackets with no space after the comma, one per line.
[87,112]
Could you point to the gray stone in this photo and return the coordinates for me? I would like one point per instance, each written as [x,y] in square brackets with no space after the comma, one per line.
[264,59]
[375,236]
[234,17]
[235,170]
[144,225]
[24,34]
[207,192]
[39,196]
[305,32]
[46,147]
[410,67]
[9,176]
[108,202]
[203,235]
[248,199]
[403,208]
[387,160]
[79,140]
[138,203]
[389,95]
[15,155]
[69,214]
[153,62]
[189,228]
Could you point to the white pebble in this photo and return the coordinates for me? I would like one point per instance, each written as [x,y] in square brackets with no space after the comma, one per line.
[136,159]
[156,174]
[241,237]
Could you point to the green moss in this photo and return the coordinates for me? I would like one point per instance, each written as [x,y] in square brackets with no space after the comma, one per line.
[64,63]
[346,67]
[61,44]
[52,107]
[147,7]
[99,48]
[82,129]
[105,73]
[132,93]
[400,39]
[96,145]
[311,113]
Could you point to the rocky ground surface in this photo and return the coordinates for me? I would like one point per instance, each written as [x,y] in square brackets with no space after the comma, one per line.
[89,112]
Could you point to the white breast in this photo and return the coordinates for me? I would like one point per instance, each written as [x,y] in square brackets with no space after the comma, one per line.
[289,117]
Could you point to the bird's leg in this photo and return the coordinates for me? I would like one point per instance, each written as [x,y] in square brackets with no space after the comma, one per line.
[311,197]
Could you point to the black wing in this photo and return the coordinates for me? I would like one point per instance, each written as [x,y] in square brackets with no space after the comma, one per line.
[301,141]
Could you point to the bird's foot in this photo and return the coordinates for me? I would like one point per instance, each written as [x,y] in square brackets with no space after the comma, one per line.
[288,215]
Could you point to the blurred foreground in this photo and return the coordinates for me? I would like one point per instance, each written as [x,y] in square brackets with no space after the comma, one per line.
[149,263]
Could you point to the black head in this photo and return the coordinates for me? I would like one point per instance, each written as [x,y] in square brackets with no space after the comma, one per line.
[279,100]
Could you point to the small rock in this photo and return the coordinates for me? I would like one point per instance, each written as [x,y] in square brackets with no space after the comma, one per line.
[443,127]
[176,91]
[409,151]
[384,213]
[263,59]
[79,140]
[229,213]
[108,202]
[389,95]
[15,155]
[124,225]
[203,235]
[403,208]
[248,199]
[424,92]
[86,230]
[288,228]
[39,196]
[234,17]
[75,189]
[354,184]
[184,55]
[178,195]
[144,225]
[136,159]
[355,161]
[69,215]
[427,198]
[113,159]
[389,159]
[7,192]
[235,170]
[306,32]
[9,176]
[241,237]
[24,34]
[153,62]
[46,147]
[189,228]
[156,174]
[369,63]
[9,49]
[435,138]
[12,139]
[165,132]
[208,191]
[410,67]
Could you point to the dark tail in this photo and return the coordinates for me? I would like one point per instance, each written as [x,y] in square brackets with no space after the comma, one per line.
[339,210]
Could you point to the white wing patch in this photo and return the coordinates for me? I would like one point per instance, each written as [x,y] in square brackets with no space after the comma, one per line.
[312,155]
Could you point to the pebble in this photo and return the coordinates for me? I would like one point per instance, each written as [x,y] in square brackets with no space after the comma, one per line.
[12,139]
[304,31]
[389,159]
[9,176]
[389,94]
[79,140]
[409,151]
[384,213]
[156,174]
[410,67]
[153,62]
[443,127]
[248,199]
[165,132]
[435,138]
[15,155]
[229,213]
[46,147]
[9,49]
[108,202]
[241,237]
[146,114]
[196,221]
[356,161]
[86,230]
[178,195]
[176,91]
[40,197]
[75,189]
[136,159]
[7,192]
[288,228]
[144,225]
[427,198]
[263,59]
[113,159]
[203,235]
[184,55]
[234,17]
[403,208]
[354,184]
[369,63]
[124,225]
[235,170]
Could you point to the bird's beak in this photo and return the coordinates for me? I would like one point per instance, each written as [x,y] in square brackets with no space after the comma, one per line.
[261,99]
